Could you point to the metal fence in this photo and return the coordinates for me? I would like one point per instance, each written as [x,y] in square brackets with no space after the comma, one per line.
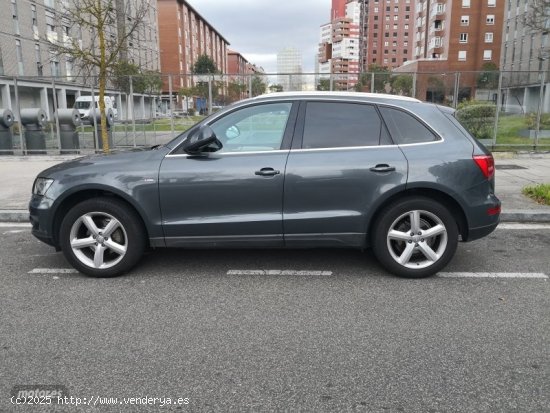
[149,111]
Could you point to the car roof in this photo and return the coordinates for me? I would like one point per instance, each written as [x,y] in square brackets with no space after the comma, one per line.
[354,95]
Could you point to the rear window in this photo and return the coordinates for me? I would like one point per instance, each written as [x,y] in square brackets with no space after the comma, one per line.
[405,128]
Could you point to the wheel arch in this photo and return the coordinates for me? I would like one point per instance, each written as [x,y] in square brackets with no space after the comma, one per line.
[435,194]
[80,195]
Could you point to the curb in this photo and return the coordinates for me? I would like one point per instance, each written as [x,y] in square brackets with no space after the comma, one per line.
[514,215]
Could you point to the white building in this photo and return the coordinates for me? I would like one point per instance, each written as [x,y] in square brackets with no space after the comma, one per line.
[289,69]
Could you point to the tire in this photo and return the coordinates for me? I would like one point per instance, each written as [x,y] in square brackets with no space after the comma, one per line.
[107,224]
[415,254]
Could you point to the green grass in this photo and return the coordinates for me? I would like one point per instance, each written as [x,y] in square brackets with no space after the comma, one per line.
[509,138]
[540,193]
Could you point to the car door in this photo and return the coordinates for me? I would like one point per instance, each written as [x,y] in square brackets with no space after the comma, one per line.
[232,197]
[343,163]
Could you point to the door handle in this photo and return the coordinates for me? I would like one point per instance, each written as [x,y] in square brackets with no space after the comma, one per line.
[267,172]
[383,168]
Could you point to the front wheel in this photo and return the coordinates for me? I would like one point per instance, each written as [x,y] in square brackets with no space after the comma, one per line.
[102,237]
[415,237]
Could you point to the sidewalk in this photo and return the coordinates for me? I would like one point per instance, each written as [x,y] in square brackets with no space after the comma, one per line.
[514,171]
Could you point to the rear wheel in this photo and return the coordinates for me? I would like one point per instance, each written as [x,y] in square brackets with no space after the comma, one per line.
[102,237]
[415,237]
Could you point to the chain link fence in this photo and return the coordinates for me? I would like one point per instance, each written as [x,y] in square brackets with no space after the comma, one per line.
[505,110]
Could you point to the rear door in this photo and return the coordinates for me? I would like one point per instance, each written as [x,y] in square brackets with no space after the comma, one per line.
[342,163]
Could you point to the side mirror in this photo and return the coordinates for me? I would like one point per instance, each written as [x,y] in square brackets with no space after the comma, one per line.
[203,140]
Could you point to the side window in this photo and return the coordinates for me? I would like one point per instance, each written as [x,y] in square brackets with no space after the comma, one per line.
[337,125]
[405,128]
[254,128]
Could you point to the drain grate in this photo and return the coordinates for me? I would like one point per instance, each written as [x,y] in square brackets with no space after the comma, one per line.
[509,167]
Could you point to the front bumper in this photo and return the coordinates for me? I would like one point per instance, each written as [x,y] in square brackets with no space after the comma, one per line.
[41,219]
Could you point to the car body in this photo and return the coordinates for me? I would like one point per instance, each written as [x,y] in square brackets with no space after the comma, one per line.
[285,170]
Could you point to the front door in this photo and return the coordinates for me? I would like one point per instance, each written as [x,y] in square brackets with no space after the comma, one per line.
[232,197]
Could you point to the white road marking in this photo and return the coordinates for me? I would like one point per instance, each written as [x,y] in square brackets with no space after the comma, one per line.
[517,225]
[53,271]
[14,231]
[14,225]
[277,272]
[492,275]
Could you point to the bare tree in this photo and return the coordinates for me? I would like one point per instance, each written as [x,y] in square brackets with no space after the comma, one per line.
[538,16]
[102,32]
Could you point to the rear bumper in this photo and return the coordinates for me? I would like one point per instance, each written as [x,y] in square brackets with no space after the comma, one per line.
[480,232]
[485,219]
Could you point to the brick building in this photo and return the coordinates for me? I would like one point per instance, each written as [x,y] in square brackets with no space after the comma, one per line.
[458,36]
[184,36]
[387,33]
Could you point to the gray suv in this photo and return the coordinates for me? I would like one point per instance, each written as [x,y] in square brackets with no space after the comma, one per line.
[287,170]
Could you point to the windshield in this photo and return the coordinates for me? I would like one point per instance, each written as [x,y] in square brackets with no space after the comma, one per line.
[82,105]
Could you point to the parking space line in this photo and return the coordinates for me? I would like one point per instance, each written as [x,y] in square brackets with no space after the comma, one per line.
[277,272]
[527,275]
[517,225]
[53,271]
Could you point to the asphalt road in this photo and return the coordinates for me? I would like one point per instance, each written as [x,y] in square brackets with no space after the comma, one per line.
[358,339]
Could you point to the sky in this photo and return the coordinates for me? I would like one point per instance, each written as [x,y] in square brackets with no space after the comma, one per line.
[258,29]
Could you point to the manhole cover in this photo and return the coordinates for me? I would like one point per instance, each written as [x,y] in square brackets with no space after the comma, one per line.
[505,167]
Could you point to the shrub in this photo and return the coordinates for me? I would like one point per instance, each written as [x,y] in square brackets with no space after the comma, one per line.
[478,118]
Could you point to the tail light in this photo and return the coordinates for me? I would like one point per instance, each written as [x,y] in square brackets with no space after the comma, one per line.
[487,165]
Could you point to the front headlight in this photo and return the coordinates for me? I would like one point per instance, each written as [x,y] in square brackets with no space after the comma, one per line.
[41,185]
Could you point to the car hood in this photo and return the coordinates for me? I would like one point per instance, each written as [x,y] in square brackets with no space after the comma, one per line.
[116,160]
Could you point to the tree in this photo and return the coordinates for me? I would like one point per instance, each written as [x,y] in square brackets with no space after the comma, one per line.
[276,88]
[488,79]
[205,65]
[235,91]
[109,29]
[538,16]
[143,81]
[382,76]
[402,84]
[258,86]
[323,85]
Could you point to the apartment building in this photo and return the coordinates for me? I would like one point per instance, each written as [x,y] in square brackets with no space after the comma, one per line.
[184,36]
[454,36]
[339,44]
[387,33]
[525,60]
[28,27]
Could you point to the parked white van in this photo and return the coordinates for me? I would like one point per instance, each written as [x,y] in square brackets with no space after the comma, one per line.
[84,106]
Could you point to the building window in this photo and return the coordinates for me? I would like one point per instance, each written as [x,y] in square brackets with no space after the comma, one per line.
[490,19]
[54,64]
[462,55]
[19,53]
[465,3]
[465,21]
[14,16]
[492,3]
[487,54]
[50,22]
[489,37]
[463,37]
[38,58]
